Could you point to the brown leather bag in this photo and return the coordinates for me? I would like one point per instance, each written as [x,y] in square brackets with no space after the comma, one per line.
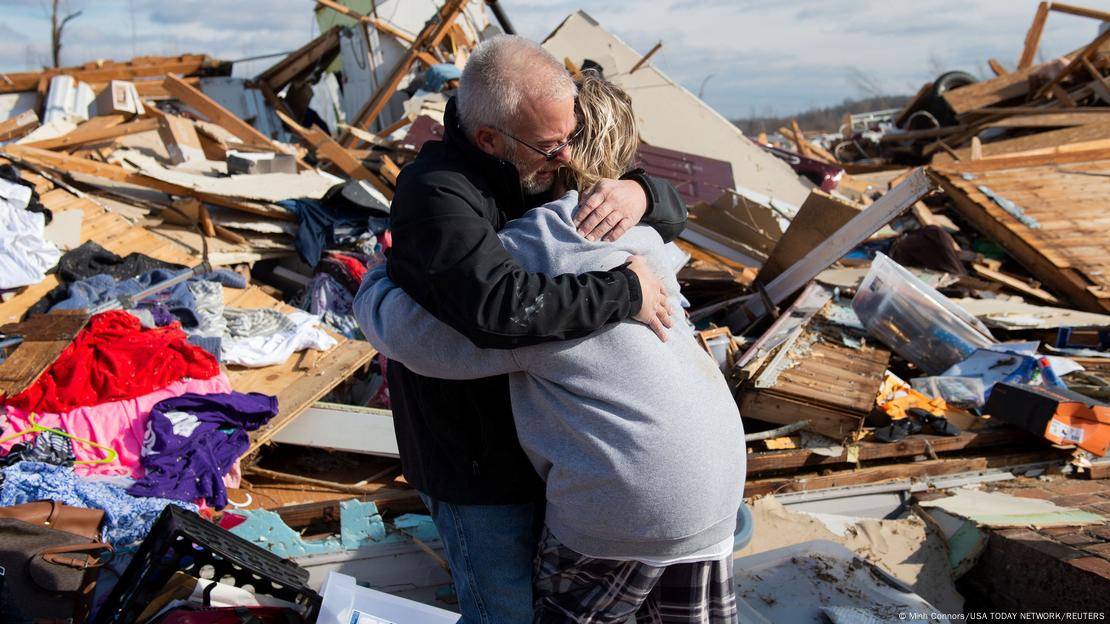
[49,572]
[55,515]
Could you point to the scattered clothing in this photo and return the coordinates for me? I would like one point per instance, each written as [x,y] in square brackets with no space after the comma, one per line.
[46,447]
[91,259]
[340,217]
[267,350]
[571,587]
[192,441]
[25,255]
[127,519]
[112,359]
[180,299]
[328,299]
[119,425]
[348,268]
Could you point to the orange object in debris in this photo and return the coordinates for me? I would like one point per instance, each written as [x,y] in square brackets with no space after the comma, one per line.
[1060,415]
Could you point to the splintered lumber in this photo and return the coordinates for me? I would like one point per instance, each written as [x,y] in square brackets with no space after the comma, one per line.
[326,148]
[317,53]
[897,200]
[102,72]
[1033,37]
[19,125]
[819,217]
[1092,135]
[868,451]
[379,24]
[1076,62]
[73,164]
[180,139]
[432,34]
[1060,237]
[830,385]
[86,133]
[1013,283]
[217,114]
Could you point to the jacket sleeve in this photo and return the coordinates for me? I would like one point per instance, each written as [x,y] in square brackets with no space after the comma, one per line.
[666,212]
[403,331]
[448,258]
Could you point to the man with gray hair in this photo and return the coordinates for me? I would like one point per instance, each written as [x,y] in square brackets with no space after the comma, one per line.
[507,133]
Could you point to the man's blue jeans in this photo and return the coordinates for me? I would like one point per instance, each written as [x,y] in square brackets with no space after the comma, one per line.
[490,549]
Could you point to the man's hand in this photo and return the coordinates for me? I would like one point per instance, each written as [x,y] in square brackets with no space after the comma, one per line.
[609,208]
[654,312]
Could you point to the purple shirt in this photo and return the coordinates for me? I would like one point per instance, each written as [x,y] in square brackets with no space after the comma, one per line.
[193,440]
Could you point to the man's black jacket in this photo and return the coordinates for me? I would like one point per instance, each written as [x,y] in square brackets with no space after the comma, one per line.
[456,438]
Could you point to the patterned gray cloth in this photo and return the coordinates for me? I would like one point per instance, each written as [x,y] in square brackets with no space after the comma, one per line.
[249,322]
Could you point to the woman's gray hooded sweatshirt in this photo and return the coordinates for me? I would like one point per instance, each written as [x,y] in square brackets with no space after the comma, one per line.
[639,441]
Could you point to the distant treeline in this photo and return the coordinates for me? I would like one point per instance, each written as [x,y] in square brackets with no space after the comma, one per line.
[827,119]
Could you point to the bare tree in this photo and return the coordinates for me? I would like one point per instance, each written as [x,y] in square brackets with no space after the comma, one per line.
[56,29]
[866,84]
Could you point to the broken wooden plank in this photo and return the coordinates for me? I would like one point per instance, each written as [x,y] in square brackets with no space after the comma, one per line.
[379,24]
[819,217]
[863,225]
[1033,37]
[866,450]
[19,125]
[429,37]
[83,134]
[326,148]
[179,136]
[1014,283]
[212,111]
[104,71]
[72,164]
[316,54]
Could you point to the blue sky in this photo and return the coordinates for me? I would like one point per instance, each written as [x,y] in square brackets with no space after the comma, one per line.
[753,56]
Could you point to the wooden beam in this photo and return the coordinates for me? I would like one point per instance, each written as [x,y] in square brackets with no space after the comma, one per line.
[310,56]
[915,470]
[1016,162]
[1075,63]
[77,137]
[99,72]
[996,67]
[428,38]
[1014,283]
[397,125]
[381,25]
[1060,7]
[217,114]
[19,125]
[326,148]
[644,59]
[1033,37]
[773,461]
[72,164]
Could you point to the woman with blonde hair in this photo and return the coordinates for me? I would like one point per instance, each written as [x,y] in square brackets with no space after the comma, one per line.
[639,441]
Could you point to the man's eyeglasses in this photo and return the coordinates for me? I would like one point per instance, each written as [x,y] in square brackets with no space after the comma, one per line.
[551,154]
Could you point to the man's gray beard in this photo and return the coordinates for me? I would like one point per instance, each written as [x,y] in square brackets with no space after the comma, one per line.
[530,185]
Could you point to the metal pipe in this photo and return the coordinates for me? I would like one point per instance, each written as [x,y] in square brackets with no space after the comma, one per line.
[126,302]
[502,18]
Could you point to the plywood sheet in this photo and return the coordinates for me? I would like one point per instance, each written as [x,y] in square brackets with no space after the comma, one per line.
[1065,244]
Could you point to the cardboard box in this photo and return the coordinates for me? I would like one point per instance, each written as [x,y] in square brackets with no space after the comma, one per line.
[1060,415]
[119,96]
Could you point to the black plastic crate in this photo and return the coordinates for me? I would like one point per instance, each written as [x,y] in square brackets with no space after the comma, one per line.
[182,541]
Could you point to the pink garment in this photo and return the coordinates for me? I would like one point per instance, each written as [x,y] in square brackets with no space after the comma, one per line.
[120,425]
[234,477]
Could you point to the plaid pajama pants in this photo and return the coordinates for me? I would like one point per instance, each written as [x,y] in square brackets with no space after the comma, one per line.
[572,588]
